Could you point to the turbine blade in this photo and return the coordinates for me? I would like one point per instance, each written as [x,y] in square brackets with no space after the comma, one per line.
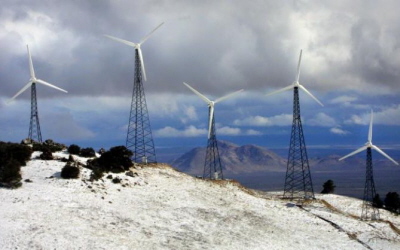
[298,67]
[122,41]
[142,63]
[370,127]
[19,92]
[280,90]
[147,37]
[228,96]
[198,93]
[31,70]
[50,85]
[210,119]
[384,154]
[354,152]
[308,92]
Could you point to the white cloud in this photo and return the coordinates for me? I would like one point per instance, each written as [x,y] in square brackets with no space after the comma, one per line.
[339,131]
[253,132]
[190,114]
[228,131]
[321,119]
[344,99]
[358,119]
[388,116]
[190,131]
[278,120]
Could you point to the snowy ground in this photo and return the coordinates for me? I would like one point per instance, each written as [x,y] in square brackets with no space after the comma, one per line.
[161,208]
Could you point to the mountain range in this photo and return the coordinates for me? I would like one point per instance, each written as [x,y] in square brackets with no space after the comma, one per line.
[255,159]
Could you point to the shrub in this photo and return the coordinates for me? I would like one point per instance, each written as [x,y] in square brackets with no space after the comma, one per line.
[12,157]
[18,152]
[74,149]
[117,159]
[10,171]
[87,152]
[329,187]
[46,155]
[392,202]
[70,171]
[48,145]
[97,173]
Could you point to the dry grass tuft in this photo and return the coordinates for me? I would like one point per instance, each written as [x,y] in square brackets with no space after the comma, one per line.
[392,226]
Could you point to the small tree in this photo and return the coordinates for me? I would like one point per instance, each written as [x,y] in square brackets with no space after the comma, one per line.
[74,149]
[70,171]
[329,187]
[87,152]
[392,202]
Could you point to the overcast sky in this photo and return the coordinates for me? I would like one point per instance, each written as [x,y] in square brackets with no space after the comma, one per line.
[351,62]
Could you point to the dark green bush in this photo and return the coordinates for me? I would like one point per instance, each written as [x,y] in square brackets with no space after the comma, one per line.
[87,152]
[328,187]
[48,145]
[10,171]
[392,202]
[117,159]
[18,152]
[46,155]
[74,149]
[12,157]
[69,171]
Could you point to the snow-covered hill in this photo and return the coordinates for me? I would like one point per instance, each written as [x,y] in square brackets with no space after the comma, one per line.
[160,208]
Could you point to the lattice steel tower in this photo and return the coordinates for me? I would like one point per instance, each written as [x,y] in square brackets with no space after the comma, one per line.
[139,138]
[368,210]
[212,164]
[34,126]
[298,183]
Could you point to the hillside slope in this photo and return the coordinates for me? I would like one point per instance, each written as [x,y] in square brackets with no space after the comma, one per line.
[160,208]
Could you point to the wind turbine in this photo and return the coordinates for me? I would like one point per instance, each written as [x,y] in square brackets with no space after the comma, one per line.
[296,84]
[139,138]
[137,46]
[368,210]
[369,144]
[212,164]
[34,127]
[298,183]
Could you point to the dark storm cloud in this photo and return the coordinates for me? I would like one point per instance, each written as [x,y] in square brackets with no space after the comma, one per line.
[216,46]
[221,48]
[372,51]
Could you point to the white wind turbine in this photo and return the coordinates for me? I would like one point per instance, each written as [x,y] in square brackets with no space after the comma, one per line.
[211,104]
[369,144]
[137,46]
[33,79]
[297,84]
[34,126]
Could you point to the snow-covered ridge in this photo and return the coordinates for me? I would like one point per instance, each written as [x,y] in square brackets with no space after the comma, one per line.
[160,208]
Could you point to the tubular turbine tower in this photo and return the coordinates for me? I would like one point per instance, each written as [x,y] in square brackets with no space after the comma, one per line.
[139,138]
[369,212]
[298,181]
[212,163]
[35,133]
